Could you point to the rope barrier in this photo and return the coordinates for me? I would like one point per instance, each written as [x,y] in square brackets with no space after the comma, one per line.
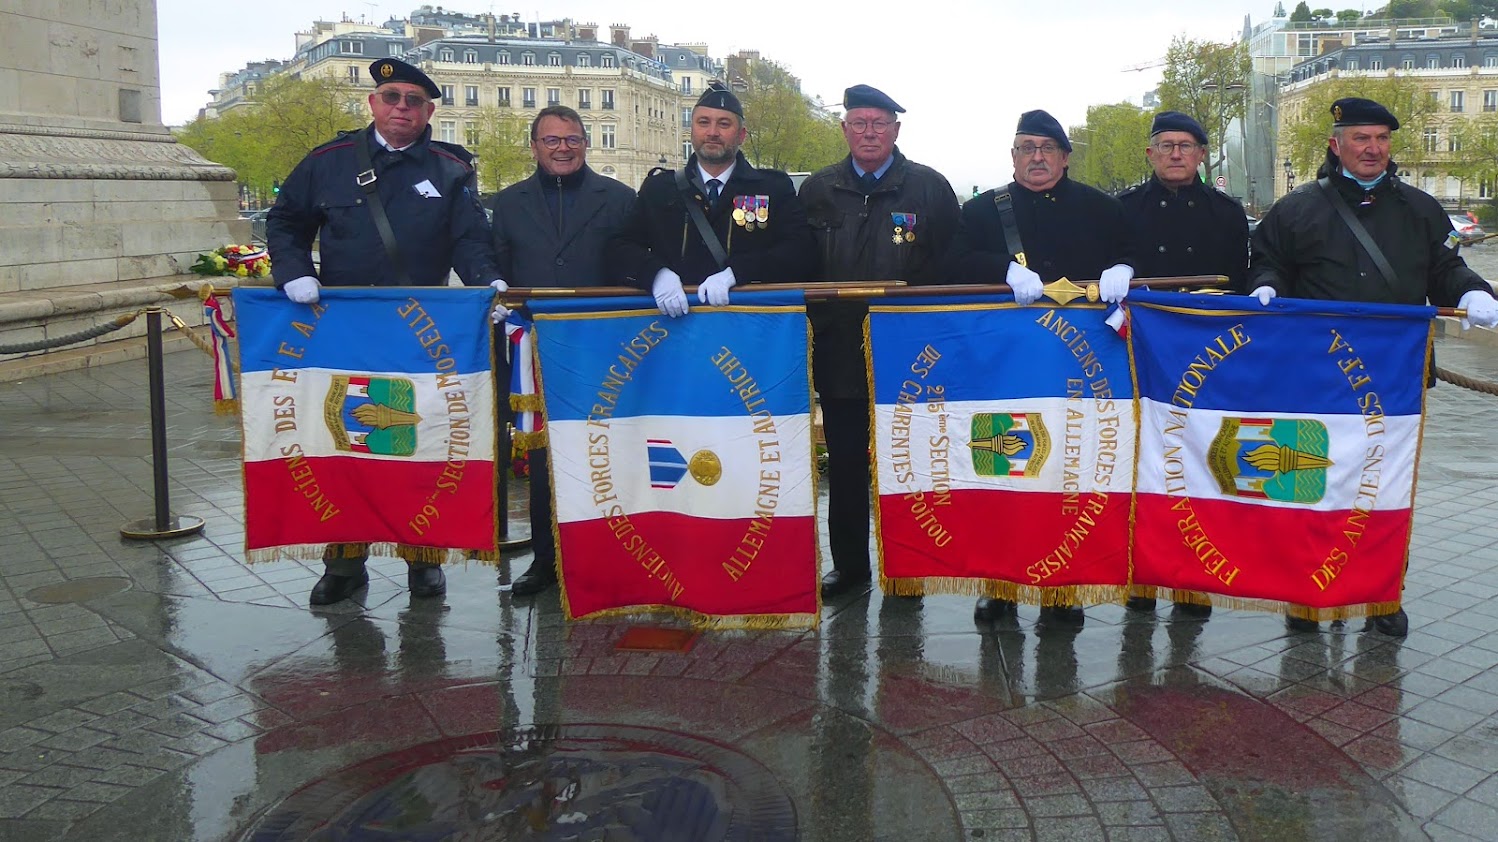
[1465,382]
[104,328]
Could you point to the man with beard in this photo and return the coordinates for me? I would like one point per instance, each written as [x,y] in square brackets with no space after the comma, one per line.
[1304,248]
[717,223]
[1064,230]
[550,230]
[876,215]
[388,206]
[1180,227]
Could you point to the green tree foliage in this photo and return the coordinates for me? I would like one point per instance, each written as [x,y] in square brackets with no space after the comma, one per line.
[1349,16]
[1302,12]
[1322,14]
[502,148]
[1209,81]
[1108,151]
[786,130]
[1478,158]
[1303,141]
[264,140]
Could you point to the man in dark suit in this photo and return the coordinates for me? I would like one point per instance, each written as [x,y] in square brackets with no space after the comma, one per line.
[755,228]
[550,230]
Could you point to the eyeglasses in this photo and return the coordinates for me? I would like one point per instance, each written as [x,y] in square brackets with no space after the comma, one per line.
[1028,150]
[573,141]
[875,126]
[393,98]
[1186,147]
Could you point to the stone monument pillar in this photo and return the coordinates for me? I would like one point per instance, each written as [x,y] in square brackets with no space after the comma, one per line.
[100,207]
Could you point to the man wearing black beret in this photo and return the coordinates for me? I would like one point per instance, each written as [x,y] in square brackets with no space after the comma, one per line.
[1305,248]
[876,215]
[1039,228]
[1181,226]
[717,223]
[392,207]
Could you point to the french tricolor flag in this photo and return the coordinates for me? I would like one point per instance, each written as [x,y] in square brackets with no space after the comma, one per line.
[368,417]
[1277,448]
[1004,441]
[681,457]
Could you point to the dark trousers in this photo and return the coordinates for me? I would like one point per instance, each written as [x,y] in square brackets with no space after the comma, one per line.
[543,540]
[845,423]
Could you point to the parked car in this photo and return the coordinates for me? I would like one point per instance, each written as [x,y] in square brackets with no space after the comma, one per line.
[1466,229]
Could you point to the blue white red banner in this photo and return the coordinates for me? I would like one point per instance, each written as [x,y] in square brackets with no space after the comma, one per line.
[1004,442]
[681,457]
[1277,448]
[368,417]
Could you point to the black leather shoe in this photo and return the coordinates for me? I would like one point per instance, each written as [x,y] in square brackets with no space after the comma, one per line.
[1393,625]
[839,582]
[989,609]
[1063,616]
[536,579]
[1298,624]
[426,581]
[1193,610]
[1140,603]
[330,589]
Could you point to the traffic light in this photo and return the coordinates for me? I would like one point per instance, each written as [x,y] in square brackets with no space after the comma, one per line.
[275,188]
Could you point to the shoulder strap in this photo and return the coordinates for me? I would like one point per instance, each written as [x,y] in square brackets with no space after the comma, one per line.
[366,179]
[1364,239]
[1004,203]
[705,231]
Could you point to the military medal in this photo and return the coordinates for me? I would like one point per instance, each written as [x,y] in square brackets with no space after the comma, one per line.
[740,215]
[762,209]
[904,228]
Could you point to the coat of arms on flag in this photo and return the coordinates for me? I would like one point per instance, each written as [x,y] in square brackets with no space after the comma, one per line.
[1013,444]
[368,417]
[681,461]
[1271,459]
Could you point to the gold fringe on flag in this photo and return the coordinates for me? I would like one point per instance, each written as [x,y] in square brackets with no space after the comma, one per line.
[529,441]
[226,407]
[526,403]
[1068,596]
[710,622]
[405,552]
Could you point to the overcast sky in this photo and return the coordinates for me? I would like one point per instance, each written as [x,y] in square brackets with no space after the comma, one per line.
[963,69]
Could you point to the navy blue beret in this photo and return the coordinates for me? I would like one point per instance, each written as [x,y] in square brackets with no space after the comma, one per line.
[1175,121]
[720,97]
[1040,123]
[1355,111]
[394,70]
[867,96]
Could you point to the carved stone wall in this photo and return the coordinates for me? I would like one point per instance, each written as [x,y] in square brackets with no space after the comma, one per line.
[99,204]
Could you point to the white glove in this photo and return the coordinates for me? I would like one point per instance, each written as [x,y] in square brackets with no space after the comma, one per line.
[499,285]
[303,290]
[1114,284]
[1264,293]
[1481,307]
[669,296]
[1025,284]
[714,290]
[500,313]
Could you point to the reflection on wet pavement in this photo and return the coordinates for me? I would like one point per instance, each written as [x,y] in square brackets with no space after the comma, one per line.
[171,691]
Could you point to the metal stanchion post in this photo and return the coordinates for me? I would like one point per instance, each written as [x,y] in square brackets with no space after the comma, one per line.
[164,524]
[506,543]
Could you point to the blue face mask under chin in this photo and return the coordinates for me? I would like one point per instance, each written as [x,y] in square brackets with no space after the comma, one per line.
[1366,185]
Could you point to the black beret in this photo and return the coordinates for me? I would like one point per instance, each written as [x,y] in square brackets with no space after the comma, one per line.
[865,96]
[1038,122]
[720,97]
[1175,121]
[394,70]
[1355,111]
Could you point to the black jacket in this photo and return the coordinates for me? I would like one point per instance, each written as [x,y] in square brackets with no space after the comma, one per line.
[321,200]
[1070,231]
[1303,249]
[1194,230]
[535,248]
[659,235]
[856,240]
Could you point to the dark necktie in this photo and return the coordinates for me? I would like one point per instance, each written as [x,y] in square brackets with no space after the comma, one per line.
[713,186]
[869,180]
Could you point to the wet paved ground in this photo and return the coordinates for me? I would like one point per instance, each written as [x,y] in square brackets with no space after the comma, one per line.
[190,696]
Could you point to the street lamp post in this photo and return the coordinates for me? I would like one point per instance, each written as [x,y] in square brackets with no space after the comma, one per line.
[1222,91]
[1289,176]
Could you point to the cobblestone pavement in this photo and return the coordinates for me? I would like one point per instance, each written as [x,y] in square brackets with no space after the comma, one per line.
[169,691]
